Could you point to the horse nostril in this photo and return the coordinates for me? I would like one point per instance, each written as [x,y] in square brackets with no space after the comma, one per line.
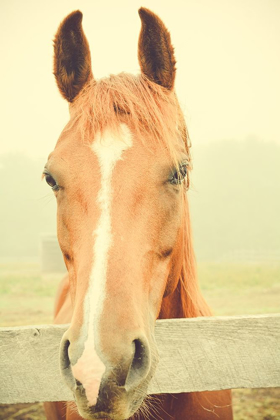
[65,364]
[64,356]
[140,365]
[139,355]
[78,383]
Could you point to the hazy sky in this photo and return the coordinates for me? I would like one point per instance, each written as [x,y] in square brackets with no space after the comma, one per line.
[227,52]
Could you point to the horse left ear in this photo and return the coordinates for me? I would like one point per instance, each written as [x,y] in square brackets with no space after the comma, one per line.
[72,62]
[155,51]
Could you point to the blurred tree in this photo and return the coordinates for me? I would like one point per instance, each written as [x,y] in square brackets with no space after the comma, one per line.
[235,197]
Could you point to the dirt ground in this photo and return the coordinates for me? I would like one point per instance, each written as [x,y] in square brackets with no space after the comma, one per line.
[22,412]
[262,404]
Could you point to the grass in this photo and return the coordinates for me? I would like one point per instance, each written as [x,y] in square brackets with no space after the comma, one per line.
[27,297]
[238,289]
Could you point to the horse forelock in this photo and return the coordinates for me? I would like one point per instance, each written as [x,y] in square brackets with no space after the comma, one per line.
[149,109]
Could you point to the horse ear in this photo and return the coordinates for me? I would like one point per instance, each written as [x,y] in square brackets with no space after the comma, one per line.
[155,51]
[72,62]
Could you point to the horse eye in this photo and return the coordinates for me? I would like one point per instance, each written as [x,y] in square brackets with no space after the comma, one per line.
[51,182]
[179,175]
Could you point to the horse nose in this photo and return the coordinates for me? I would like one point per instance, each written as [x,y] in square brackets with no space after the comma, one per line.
[81,367]
[131,367]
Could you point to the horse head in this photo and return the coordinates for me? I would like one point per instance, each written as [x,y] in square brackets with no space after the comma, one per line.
[119,172]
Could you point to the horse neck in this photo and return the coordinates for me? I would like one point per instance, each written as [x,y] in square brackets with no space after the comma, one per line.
[186,301]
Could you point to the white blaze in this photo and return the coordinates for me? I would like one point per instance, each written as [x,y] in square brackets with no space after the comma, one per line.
[89,368]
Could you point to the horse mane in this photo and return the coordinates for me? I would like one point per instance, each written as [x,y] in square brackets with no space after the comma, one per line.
[186,301]
[152,112]
[192,303]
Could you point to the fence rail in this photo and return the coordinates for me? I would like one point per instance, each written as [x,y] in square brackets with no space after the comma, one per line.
[195,355]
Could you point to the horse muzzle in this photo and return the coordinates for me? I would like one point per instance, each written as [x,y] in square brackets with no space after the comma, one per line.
[114,388]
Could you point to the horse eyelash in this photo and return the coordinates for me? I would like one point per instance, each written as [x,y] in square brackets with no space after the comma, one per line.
[175,180]
[119,110]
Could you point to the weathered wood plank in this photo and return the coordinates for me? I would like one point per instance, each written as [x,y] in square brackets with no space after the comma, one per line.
[195,355]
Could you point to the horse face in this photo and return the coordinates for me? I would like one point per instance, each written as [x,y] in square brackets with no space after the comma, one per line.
[120,204]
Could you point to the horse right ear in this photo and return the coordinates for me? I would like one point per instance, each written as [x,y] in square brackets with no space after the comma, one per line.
[72,61]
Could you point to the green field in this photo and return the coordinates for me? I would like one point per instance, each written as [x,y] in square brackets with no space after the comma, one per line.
[238,289]
[27,297]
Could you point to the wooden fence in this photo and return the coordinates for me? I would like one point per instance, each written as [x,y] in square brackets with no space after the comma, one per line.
[195,355]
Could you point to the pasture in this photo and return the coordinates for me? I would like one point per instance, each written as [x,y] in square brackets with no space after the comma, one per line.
[26,297]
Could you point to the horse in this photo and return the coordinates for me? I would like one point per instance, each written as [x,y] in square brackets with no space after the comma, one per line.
[120,174]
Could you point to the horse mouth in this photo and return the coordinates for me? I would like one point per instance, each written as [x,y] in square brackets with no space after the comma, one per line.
[114,402]
[117,410]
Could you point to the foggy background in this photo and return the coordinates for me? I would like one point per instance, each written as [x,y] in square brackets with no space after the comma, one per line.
[228,83]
